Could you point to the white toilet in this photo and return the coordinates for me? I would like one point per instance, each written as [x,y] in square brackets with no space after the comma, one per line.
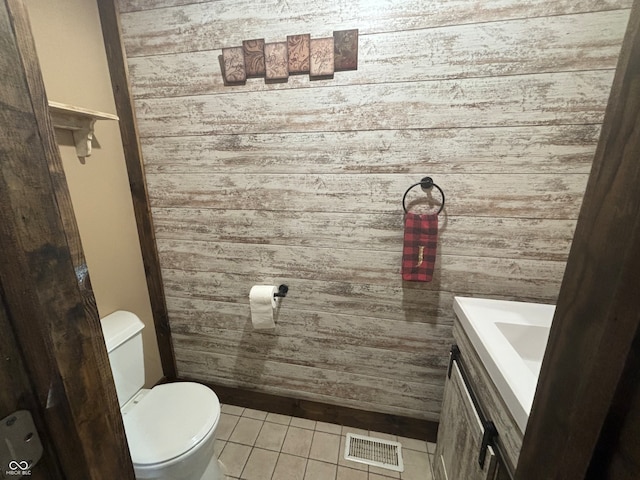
[170,428]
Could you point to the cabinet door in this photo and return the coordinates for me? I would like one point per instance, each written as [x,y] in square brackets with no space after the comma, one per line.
[460,436]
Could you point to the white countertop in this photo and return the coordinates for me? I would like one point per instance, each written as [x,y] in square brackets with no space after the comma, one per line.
[510,338]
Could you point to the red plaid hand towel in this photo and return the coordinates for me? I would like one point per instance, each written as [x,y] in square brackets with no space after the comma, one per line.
[419,251]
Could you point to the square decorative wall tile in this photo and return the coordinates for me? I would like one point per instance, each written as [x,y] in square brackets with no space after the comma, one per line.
[298,51]
[276,61]
[321,57]
[233,61]
[345,50]
[254,57]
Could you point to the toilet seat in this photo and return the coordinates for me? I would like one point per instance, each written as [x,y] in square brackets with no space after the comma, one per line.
[169,421]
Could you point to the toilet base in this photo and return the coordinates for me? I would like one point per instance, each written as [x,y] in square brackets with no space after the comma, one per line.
[215,470]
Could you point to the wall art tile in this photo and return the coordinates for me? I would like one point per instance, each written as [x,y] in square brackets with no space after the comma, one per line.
[254,57]
[298,51]
[345,49]
[321,57]
[233,61]
[276,63]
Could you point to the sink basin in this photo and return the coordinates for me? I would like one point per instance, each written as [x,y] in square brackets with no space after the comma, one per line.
[510,338]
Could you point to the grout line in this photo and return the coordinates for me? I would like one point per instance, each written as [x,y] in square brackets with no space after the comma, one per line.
[307,458]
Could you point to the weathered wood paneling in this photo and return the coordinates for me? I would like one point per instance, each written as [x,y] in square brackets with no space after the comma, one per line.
[568,98]
[289,344]
[539,278]
[561,149]
[418,305]
[544,239]
[364,392]
[536,196]
[301,182]
[213,25]
[504,7]
[577,42]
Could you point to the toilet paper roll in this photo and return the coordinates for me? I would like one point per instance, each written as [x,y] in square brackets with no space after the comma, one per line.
[262,303]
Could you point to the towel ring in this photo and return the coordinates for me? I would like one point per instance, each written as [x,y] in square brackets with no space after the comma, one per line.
[426,183]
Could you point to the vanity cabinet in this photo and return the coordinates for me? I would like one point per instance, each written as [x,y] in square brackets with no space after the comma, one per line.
[460,435]
[472,412]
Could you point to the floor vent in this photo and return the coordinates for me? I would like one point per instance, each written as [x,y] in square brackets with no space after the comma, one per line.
[374,451]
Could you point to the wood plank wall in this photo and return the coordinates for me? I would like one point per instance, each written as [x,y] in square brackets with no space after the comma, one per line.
[301,182]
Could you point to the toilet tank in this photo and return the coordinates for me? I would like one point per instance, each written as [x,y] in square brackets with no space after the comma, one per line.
[123,336]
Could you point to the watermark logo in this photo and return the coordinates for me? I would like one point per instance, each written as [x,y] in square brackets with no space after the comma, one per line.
[18,468]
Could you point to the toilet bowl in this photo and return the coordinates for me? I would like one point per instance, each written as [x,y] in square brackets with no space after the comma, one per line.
[170,428]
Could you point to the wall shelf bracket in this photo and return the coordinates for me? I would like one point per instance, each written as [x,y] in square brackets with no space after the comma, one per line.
[80,121]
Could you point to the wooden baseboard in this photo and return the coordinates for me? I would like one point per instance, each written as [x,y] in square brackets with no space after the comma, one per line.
[374,421]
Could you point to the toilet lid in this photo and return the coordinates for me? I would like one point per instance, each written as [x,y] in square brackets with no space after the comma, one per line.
[170,420]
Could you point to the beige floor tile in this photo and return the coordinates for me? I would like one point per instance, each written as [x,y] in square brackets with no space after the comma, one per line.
[319,471]
[297,442]
[303,423]
[289,467]
[349,463]
[413,444]
[325,447]
[277,418]
[232,409]
[431,447]
[384,472]
[271,436]
[257,414]
[375,476]
[416,466]
[246,431]
[233,457]
[383,436]
[218,446]
[358,431]
[328,428]
[350,474]
[260,465]
[226,424]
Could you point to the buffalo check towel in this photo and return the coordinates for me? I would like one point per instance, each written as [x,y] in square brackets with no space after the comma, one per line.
[419,250]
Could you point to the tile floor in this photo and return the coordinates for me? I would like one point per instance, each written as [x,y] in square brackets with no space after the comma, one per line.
[256,445]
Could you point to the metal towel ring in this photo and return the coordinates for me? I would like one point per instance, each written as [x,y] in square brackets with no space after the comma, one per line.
[426,183]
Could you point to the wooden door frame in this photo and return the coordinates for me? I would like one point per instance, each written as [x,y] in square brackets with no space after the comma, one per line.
[46,290]
[119,72]
[598,309]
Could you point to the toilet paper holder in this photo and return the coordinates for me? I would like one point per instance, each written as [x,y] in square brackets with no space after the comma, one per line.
[282,291]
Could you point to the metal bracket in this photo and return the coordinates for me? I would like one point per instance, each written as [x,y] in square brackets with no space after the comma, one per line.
[454,356]
[488,438]
[20,446]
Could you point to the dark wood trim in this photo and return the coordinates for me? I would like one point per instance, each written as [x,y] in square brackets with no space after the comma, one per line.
[597,311]
[51,311]
[617,454]
[17,393]
[116,56]
[378,422]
